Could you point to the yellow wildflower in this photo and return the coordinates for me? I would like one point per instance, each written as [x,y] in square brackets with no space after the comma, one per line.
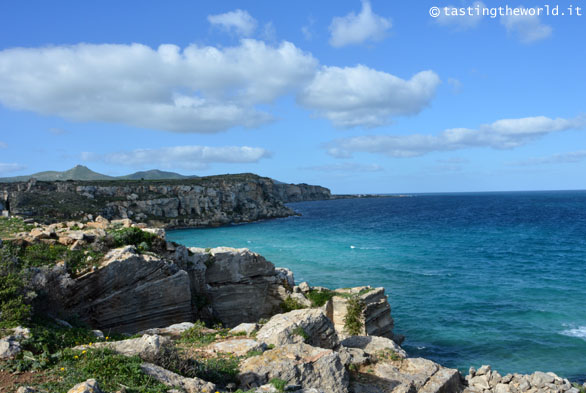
[84,351]
[62,368]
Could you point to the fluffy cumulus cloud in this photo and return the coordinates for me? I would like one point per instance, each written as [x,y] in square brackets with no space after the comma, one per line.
[361,96]
[345,167]
[198,89]
[238,21]
[502,134]
[188,157]
[527,28]
[560,158]
[356,29]
[10,167]
[462,22]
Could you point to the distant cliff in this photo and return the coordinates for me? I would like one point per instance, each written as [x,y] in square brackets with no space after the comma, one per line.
[206,201]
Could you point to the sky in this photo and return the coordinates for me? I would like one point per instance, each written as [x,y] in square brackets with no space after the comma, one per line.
[357,96]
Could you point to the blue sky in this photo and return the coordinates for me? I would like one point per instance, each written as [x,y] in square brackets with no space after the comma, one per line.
[360,97]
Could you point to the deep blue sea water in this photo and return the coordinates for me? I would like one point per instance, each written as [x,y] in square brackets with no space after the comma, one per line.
[474,278]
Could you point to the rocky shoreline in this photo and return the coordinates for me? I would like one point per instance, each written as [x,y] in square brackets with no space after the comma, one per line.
[200,202]
[120,277]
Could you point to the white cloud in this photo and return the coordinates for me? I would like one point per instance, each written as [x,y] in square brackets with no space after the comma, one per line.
[346,167]
[197,89]
[462,22]
[10,167]
[3,145]
[502,134]
[355,29]
[238,21]
[269,33]
[560,158]
[527,28]
[361,96]
[189,157]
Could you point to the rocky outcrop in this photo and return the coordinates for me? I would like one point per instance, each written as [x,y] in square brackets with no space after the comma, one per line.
[376,311]
[411,375]
[242,285]
[371,345]
[131,292]
[207,201]
[297,364]
[166,377]
[147,346]
[486,380]
[310,326]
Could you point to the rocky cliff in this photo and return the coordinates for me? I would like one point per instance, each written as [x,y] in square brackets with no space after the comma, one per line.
[207,201]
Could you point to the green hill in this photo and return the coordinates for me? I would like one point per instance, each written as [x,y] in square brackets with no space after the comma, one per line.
[80,172]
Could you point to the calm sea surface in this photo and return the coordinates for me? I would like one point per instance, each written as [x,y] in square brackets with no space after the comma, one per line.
[486,278]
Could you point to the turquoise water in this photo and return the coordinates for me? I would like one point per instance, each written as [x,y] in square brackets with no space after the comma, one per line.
[487,278]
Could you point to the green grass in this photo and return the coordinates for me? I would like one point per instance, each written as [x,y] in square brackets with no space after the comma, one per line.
[12,226]
[112,371]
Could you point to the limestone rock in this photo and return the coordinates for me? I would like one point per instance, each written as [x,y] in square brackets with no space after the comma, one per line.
[376,315]
[299,364]
[238,347]
[425,375]
[373,345]
[26,389]
[146,346]
[307,325]
[242,286]
[131,292]
[174,330]
[9,348]
[247,328]
[89,386]
[353,356]
[166,377]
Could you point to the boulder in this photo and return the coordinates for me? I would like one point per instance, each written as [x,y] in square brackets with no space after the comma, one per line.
[353,356]
[242,286]
[9,348]
[174,330]
[147,346]
[166,377]
[307,325]
[130,292]
[247,328]
[373,345]
[89,386]
[238,347]
[425,375]
[298,364]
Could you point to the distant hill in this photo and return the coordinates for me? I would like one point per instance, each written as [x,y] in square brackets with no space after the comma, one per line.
[154,174]
[80,172]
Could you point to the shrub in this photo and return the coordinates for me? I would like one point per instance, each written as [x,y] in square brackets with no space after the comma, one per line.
[299,331]
[133,237]
[198,334]
[319,298]
[353,319]
[279,384]
[291,304]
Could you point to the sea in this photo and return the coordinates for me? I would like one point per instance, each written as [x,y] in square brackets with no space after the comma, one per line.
[493,278]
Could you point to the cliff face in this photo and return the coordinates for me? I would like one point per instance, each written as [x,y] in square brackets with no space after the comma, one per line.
[208,201]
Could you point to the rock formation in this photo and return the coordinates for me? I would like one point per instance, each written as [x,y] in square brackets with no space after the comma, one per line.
[207,201]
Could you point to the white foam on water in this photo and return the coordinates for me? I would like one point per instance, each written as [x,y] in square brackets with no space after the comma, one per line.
[579,332]
[352,247]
